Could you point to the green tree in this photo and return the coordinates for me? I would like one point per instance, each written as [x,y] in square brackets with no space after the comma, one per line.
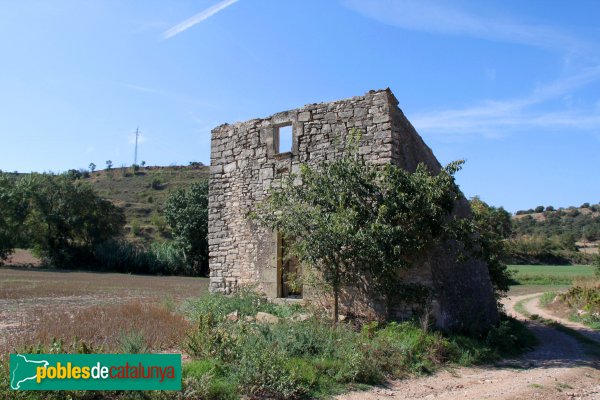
[356,222]
[109,164]
[186,212]
[66,219]
[92,167]
[12,214]
[491,231]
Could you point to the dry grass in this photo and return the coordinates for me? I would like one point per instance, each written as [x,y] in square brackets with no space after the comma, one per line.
[37,306]
[102,327]
[23,257]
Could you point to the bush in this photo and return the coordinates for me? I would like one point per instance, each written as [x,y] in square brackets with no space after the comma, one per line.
[511,337]
[186,212]
[207,380]
[293,359]
[132,342]
[62,218]
[156,184]
[136,230]
[121,256]
[245,301]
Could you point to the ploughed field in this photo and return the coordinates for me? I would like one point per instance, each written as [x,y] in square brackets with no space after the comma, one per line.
[102,310]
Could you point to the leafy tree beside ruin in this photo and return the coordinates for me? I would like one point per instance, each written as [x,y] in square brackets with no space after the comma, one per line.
[491,228]
[356,222]
[186,212]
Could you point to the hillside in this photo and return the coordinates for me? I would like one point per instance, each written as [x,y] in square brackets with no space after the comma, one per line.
[579,223]
[142,194]
[556,235]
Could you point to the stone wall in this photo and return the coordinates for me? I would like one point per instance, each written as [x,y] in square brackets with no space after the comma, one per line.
[245,164]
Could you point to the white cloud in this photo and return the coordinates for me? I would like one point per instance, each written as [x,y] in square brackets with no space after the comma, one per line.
[436,17]
[491,117]
[495,118]
[196,19]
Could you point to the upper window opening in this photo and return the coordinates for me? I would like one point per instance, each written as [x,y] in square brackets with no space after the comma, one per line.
[284,139]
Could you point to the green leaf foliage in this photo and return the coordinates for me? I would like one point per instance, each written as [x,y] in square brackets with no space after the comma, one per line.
[493,229]
[60,217]
[186,212]
[352,220]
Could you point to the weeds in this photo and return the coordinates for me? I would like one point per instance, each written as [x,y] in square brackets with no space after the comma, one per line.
[132,342]
[293,359]
[142,327]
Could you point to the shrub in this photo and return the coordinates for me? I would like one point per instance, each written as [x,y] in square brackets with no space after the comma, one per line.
[122,256]
[170,258]
[292,359]
[62,218]
[186,211]
[206,380]
[132,342]
[245,301]
[135,227]
[510,338]
[156,184]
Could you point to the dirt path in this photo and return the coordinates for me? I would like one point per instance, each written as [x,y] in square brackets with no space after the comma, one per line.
[532,305]
[558,368]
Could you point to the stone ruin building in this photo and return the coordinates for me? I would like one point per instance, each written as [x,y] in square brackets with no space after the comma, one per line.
[248,157]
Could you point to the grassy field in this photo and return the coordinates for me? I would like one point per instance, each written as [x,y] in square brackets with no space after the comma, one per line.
[100,309]
[553,275]
[555,279]
[547,278]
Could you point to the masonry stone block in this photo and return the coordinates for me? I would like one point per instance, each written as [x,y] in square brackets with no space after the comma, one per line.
[244,166]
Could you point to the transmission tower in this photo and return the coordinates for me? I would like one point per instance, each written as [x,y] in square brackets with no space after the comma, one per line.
[137,134]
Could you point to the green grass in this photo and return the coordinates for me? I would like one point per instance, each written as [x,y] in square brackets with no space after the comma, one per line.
[312,358]
[550,274]
[547,298]
[588,321]
[519,290]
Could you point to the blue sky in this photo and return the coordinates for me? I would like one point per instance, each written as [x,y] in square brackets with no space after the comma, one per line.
[513,87]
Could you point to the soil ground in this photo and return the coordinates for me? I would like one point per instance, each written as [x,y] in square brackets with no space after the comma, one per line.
[30,294]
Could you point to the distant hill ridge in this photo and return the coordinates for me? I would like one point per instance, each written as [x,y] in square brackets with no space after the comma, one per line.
[578,223]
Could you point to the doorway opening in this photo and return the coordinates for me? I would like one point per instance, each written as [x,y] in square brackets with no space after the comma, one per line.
[289,271]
